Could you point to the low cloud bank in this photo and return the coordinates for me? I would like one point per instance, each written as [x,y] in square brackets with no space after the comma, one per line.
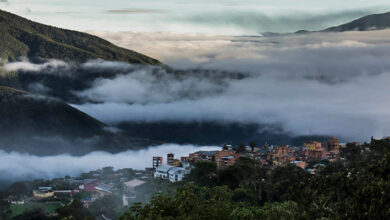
[314,84]
[16,166]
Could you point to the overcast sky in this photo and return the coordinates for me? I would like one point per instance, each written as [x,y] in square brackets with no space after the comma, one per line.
[182,16]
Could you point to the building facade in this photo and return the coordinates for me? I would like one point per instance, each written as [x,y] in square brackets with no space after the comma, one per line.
[157,161]
[170,159]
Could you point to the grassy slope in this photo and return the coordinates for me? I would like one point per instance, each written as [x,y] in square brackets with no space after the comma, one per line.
[21,37]
[19,209]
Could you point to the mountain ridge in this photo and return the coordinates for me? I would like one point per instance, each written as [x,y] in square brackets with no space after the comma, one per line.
[24,38]
[367,23]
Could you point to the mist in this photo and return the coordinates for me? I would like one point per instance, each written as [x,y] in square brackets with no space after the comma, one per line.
[315,84]
[15,166]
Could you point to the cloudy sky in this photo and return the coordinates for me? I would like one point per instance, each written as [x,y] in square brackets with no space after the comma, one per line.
[226,17]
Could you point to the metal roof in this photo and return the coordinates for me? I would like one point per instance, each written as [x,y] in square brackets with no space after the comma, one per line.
[164,168]
[176,170]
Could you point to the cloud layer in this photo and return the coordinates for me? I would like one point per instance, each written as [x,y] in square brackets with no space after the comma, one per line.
[324,84]
[15,166]
[314,84]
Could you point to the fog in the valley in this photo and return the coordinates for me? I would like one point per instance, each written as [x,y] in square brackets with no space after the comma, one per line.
[15,166]
[315,84]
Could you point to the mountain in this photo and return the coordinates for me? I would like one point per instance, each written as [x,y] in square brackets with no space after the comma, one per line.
[21,110]
[41,125]
[22,37]
[367,23]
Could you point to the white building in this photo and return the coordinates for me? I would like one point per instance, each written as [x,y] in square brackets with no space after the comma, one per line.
[171,173]
[176,174]
[162,171]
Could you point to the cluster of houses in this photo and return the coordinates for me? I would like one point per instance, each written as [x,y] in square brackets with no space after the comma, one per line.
[267,155]
[99,184]
[93,188]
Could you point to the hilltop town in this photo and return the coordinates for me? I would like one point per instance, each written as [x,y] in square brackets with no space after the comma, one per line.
[311,157]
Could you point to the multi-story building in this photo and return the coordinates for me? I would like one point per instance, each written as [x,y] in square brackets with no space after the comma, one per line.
[225,158]
[203,156]
[332,145]
[281,155]
[176,163]
[171,173]
[170,159]
[314,150]
[157,161]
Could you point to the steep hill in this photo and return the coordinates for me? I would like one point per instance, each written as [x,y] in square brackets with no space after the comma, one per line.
[22,37]
[41,125]
[367,23]
[20,110]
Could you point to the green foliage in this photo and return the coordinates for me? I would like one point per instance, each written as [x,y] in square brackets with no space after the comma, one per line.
[189,202]
[204,173]
[359,191]
[351,153]
[195,202]
[75,210]
[37,214]
[5,210]
[109,205]
[19,209]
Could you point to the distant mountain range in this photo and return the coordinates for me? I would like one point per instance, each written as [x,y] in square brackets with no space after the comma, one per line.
[21,37]
[367,23]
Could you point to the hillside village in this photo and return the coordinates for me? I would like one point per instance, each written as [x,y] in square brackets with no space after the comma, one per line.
[267,155]
[133,185]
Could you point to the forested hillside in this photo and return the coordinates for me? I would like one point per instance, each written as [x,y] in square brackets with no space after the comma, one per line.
[21,37]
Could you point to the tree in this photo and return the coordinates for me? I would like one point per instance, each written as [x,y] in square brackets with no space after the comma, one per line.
[109,205]
[75,210]
[279,211]
[108,170]
[252,144]
[37,214]
[5,211]
[351,152]
[204,173]
[241,148]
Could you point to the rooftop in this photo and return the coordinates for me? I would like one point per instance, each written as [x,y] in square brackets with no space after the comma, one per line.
[176,169]
[207,152]
[134,183]
[103,187]
[164,168]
